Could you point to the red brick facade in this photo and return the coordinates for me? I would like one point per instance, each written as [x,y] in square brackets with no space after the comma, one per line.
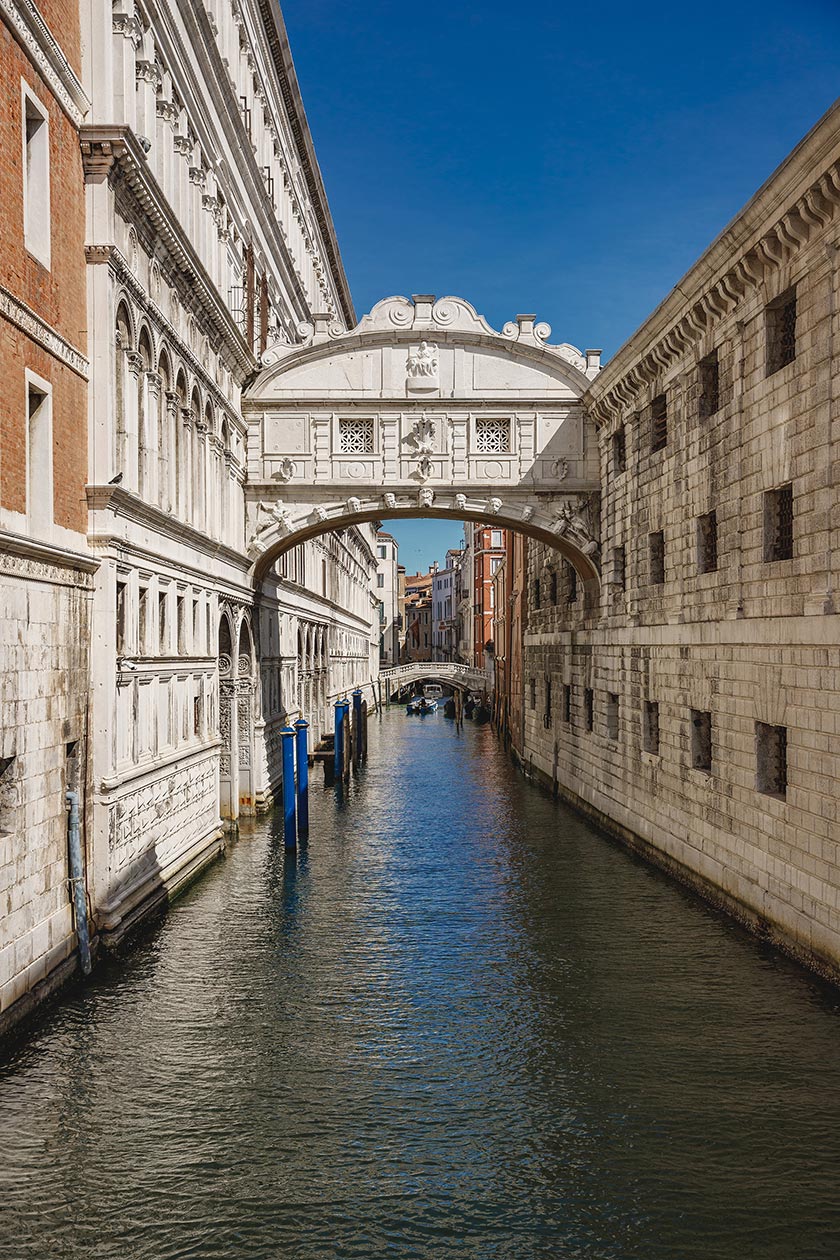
[56,295]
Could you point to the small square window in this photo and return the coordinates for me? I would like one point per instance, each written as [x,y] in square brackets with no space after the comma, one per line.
[588,708]
[656,547]
[771,759]
[780,328]
[709,400]
[619,450]
[658,423]
[650,727]
[778,523]
[36,178]
[355,437]
[707,554]
[612,715]
[492,435]
[701,741]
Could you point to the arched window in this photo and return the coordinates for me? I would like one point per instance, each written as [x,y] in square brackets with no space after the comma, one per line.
[145,438]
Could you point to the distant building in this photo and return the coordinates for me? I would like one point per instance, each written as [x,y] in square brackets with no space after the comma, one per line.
[445,610]
[418,616]
[488,553]
[388,595]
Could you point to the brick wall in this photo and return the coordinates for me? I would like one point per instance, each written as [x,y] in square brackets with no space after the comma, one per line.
[56,294]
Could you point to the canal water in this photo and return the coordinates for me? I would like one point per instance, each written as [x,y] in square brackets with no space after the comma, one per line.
[462,1024]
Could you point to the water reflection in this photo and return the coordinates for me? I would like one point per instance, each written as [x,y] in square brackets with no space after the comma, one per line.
[458,1024]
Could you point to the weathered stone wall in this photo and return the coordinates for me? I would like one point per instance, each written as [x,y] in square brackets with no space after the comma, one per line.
[44,636]
[754,641]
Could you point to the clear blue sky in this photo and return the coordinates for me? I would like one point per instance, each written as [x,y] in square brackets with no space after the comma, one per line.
[534,158]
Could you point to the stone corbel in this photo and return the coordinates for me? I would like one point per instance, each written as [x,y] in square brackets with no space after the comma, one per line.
[135,362]
[127,25]
[187,417]
[167,110]
[146,72]
[198,176]
[154,380]
[183,146]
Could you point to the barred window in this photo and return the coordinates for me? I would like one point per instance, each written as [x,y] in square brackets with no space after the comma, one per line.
[707,553]
[532,688]
[612,715]
[567,703]
[492,435]
[536,593]
[778,523]
[571,582]
[588,708]
[355,437]
[656,545]
[650,727]
[658,423]
[619,450]
[619,559]
[771,759]
[701,741]
[547,710]
[553,586]
[780,330]
[709,400]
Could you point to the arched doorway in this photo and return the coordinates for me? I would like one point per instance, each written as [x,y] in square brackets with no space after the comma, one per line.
[245,695]
[227,733]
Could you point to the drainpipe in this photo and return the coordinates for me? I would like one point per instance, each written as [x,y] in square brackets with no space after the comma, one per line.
[77,879]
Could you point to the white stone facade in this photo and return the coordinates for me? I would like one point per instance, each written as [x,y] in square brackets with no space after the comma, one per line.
[209,237]
[388,594]
[696,710]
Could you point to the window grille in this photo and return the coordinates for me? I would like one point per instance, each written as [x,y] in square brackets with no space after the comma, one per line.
[536,590]
[553,586]
[780,331]
[701,741]
[778,523]
[619,567]
[492,435]
[619,450]
[650,727]
[567,703]
[533,693]
[571,583]
[588,708]
[547,712]
[612,715]
[709,400]
[656,542]
[771,759]
[658,423]
[355,437]
[707,552]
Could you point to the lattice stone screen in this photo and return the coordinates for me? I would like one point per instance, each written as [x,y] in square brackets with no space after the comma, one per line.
[355,437]
[492,436]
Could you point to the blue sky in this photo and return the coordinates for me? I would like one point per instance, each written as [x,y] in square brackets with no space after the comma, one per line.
[529,158]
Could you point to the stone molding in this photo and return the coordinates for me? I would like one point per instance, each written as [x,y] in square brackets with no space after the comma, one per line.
[32,33]
[124,503]
[24,318]
[773,227]
[39,561]
[116,153]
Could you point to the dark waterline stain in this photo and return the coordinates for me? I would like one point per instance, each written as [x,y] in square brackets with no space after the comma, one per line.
[460,1024]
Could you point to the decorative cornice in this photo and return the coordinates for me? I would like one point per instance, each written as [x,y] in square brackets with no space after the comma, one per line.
[124,503]
[39,43]
[40,560]
[24,318]
[118,150]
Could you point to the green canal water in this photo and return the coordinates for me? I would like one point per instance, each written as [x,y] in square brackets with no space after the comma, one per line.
[462,1024]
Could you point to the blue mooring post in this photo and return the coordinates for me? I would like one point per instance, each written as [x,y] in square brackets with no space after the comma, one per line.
[302,742]
[357,726]
[289,834]
[338,741]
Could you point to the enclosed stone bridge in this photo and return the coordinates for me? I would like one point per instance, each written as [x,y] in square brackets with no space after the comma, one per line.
[422,410]
[450,673]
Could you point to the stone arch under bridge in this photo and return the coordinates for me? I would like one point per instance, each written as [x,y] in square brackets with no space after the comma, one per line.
[422,410]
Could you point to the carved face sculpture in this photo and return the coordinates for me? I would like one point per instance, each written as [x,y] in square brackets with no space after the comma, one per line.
[354,505]
[495,505]
[426,498]
[390,500]
[461,502]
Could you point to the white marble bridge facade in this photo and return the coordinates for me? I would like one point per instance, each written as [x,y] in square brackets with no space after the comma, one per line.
[422,410]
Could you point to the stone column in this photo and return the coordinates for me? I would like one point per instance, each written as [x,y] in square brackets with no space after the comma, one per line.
[184,472]
[168,454]
[150,452]
[132,378]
